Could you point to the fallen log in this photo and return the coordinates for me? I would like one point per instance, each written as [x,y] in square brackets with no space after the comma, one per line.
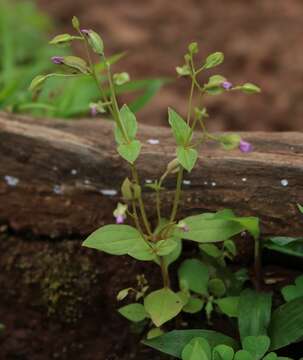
[62,178]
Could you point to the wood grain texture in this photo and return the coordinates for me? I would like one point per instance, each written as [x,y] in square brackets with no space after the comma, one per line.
[64,170]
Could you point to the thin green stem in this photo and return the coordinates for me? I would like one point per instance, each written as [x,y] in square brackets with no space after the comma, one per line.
[158,206]
[140,201]
[165,274]
[177,194]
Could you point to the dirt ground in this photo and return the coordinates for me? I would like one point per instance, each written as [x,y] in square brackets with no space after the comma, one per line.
[260,38]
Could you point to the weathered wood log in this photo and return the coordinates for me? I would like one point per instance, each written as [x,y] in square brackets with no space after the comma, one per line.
[62,178]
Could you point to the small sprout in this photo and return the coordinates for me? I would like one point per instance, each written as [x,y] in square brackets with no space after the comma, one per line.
[94,41]
[121,78]
[120,213]
[214,60]
[245,146]
[193,48]
[122,294]
[201,113]
[75,23]
[183,70]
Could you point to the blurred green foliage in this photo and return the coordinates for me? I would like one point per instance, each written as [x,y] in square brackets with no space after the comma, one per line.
[25,52]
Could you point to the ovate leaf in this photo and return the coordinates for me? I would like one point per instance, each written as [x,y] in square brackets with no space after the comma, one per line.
[229,305]
[223,352]
[162,305]
[257,346]
[130,126]
[130,151]
[133,312]
[187,157]
[213,60]
[254,313]
[181,130]
[194,276]
[174,342]
[286,324]
[114,239]
[292,292]
[197,349]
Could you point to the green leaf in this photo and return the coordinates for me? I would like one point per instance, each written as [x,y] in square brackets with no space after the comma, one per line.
[217,287]
[214,85]
[174,255]
[165,247]
[197,349]
[230,246]
[249,88]
[286,245]
[193,48]
[193,305]
[95,42]
[76,63]
[257,346]
[187,157]
[211,250]
[37,82]
[122,294]
[133,312]
[251,224]
[194,276]
[203,229]
[223,352]
[243,355]
[271,356]
[173,343]
[230,141]
[181,130]
[254,313]
[213,60]
[115,239]
[286,324]
[300,207]
[292,292]
[130,151]
[162,305]
[229,305]
[75,23]
[129,121]
[153,333]
[63,39]
[142,251]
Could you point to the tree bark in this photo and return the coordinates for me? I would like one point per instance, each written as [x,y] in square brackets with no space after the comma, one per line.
[62,178]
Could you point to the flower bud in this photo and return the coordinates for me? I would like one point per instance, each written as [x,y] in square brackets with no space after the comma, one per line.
[245,146]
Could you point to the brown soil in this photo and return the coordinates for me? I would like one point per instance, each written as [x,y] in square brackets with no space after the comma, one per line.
[261,41]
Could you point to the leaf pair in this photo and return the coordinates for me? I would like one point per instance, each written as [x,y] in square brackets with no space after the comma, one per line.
[186,154]
[125,134]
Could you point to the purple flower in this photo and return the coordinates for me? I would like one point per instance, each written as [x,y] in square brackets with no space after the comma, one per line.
[183,226]
[120,213]
[93,109]
[245,146]
[85,31]
[227,85]
[58,60]
[120,219]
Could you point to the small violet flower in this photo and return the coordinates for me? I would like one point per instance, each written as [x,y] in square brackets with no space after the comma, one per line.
[120,213]
[58,60]
[227,85]
[93,109]
[183,226]
[245,146]
[85,31]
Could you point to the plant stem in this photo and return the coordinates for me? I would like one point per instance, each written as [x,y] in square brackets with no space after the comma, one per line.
[258,264]
[140,201]
[165,274]
[177,194]
[158,206]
